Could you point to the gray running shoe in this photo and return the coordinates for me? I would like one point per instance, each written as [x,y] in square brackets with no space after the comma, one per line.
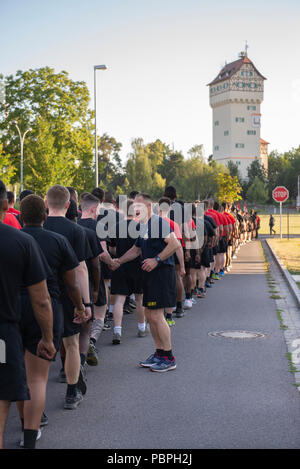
[142,333]
[116,339]
[92,356]
[73,402]
[39,434]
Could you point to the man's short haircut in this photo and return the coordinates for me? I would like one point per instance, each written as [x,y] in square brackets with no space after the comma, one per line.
[10,197]
[170,192]
[205,203]
[72,213]
[146,197]
[165,201]
[33,210]
[72,190]
[88,200]
[130,212]
[3,195]
[224,205]
[108,198]
[133,194]
[99,193]
[25,193]
[57,197]
[216,206]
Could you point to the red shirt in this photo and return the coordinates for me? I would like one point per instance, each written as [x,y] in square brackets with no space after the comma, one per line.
[175,227]
[11,220]
[192,227]
[211,213]
[13,211]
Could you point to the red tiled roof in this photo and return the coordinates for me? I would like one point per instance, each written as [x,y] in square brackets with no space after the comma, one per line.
[263,142]
[232,68]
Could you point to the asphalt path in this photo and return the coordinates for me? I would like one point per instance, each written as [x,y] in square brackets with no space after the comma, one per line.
[225,393]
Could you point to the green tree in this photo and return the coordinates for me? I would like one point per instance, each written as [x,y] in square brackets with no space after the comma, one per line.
[233,169]
[229,188]
[111,170]
[7,171]
[257,192]
[41,95]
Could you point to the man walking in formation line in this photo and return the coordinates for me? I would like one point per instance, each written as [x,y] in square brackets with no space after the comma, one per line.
[71,270]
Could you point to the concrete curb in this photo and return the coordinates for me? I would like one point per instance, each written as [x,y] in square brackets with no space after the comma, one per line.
[290,281]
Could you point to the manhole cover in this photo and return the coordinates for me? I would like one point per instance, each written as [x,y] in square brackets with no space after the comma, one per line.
[238,334]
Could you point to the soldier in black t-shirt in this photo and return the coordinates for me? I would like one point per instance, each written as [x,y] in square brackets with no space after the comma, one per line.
[62,261]
[128,278]
[21,263]
[156,244]
[58,201]
[90,210]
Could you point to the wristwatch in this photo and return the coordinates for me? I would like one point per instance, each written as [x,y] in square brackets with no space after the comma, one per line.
[88,305]
[158,259]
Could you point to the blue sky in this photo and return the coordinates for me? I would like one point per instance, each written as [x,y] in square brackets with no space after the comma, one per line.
[160,56]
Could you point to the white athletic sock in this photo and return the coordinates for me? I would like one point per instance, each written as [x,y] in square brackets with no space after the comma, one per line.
[142,326]
[118,330]
[111,308]
[132,296]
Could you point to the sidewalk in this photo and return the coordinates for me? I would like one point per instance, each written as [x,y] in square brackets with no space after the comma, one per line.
[225,393]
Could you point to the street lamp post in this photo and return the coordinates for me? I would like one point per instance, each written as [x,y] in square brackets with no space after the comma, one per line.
[96,67]
[22,139]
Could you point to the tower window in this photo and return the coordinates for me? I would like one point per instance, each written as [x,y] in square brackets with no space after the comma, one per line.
[251,108]
[251,132]
[216,122]
[226,132]
[225,86]
[239,119]
[217,147]
[240,84]
[252,85]
[239,145]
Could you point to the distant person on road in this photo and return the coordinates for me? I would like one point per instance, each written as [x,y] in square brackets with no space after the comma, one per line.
[271,224]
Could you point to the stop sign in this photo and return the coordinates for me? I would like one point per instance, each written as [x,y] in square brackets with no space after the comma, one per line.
[280,194]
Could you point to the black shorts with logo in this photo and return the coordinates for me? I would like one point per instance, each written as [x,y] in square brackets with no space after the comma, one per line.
[160,287]
[106,271]
[193,263]
[215,250]
[205,257]
[13,385]
[30,330]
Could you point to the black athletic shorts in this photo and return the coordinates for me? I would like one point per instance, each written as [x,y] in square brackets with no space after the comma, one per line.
[222,246]
[105,271]
[211,255]
[187,264]
[13,385]
[30,330]
[102,300]
[193,263]
[126,281]
[70,328]
[215,250]
[160,287]
[205,257]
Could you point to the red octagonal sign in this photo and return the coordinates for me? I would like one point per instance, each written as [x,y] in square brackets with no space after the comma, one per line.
[280,194]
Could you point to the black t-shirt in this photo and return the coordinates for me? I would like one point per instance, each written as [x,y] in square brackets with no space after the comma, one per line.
[58,253]
[124,240]
[151,240]
[211,221]
[96,249]
[74,233]
[21,263]
[210,232]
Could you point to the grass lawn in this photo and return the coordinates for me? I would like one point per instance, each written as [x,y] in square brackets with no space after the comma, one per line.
[289,252]
[294,224]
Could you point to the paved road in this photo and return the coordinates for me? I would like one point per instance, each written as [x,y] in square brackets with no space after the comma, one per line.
[225,393]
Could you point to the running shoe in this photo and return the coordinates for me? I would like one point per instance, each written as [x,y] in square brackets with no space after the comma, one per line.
[150,361]
[194,301]
[82,381]
[116,339]
[179,312]
[164,365]
[44,420]
[170,321]
[39,434]
[208,285]
[215,276]
[201,293]
[62,376]
[142,333]
[92,356]
[188,304]
[221,273]
[106,326]
[72,402]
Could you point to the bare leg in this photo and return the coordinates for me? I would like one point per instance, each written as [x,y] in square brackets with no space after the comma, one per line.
[154,333]
[72,363]
[118,309]
[162,329]
[84,338]
[140,310]
[37,371]
[4,409]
